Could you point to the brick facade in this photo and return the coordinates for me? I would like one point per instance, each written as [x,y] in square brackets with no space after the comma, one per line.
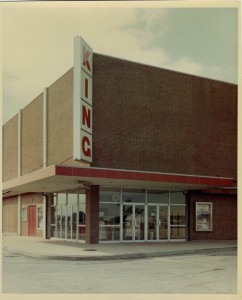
[150,119]
[224,219]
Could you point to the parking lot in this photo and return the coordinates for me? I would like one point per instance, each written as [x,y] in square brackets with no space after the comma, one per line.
[210,273]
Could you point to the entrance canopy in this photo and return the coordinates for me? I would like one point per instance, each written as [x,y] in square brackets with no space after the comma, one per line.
[60,178]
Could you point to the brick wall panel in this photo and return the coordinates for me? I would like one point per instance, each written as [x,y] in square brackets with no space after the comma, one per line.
[224,217]
[145,118]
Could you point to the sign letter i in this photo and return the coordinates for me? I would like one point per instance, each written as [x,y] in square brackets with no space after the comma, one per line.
[86,87]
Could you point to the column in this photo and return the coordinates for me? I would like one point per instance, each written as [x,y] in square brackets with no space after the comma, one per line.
[19,166]
[45,128]
[20,143]
[92,215]
[44,217]
[19,215]
[49,200]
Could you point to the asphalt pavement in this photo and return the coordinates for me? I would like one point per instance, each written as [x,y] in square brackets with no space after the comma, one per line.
[66,250]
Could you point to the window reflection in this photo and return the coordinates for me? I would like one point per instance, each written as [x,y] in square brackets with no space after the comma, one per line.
[178,215]
[134,196]
[109,214]
[177,197]
[65,215]
[178,232]
[107,195]
[157,196]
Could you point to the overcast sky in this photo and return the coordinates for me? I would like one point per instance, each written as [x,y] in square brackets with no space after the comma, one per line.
[37,43]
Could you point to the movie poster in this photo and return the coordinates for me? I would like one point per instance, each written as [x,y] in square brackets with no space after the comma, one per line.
[203,216]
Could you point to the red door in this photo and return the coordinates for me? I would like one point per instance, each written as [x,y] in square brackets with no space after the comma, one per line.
[32,221]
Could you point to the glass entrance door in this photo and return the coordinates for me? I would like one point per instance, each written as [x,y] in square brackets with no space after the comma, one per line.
[133,222]
[163,223]
[61,221]
[157,222]
[71,216]
[152,222]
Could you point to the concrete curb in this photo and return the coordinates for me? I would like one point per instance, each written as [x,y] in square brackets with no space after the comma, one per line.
[119,256]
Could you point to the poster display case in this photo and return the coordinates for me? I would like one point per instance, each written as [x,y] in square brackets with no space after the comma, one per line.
[204,216]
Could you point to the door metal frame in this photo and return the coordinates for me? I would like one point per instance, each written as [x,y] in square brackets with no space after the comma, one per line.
[157,205]
[134,222]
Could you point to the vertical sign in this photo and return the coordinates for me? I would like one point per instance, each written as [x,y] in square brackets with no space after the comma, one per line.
[82,101]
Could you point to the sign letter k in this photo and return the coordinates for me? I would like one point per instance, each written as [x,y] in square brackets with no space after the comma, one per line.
[86,55]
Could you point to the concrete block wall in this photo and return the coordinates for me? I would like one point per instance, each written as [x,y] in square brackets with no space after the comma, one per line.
[60,99]
[10,213]
[32,136]
[10,149]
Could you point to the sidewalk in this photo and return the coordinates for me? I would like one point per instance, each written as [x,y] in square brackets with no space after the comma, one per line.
[53,249]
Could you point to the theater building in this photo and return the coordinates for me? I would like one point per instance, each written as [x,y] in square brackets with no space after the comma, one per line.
[117,151]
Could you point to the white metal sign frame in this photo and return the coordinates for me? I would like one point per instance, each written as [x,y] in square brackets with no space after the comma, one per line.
[82,101]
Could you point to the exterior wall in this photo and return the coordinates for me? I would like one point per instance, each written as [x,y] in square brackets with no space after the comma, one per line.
[10,149]
[32,136]
[60,134]
[224,219]
[144,118]
[60,121]
[28,200]
[10,215]
[150,119]
[214,128]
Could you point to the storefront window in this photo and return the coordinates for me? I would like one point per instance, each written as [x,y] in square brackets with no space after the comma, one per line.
[68,217]
[72,199]
[24,213]
[53,231]
[178,222]
[109,222]
[133,195]
[82,211]
[146,214]
[109,214]
[82,217]
[177,198]
[40,217]
[52,200]
[178,215]
[109,233]
[108,195]
[178,233]
[154,196]
[61,199]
